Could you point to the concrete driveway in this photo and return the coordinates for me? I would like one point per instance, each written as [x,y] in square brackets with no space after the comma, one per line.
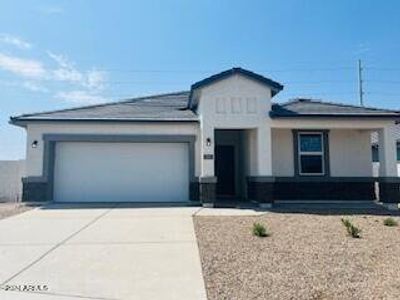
[95,252]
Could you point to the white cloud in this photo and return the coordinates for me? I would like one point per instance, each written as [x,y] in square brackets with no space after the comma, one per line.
[96,79]
[34,87]
[84,86]
[51,10]
[14,41]
[80,97]
[60,59]
[68,72]
[28,85]
[362,49]
[22,66]
[69,75]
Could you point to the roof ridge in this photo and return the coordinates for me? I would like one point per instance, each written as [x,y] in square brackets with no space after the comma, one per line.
[100,104]
[233,71]
[294,100]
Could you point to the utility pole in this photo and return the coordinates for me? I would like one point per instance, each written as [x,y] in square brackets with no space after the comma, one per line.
[360,83]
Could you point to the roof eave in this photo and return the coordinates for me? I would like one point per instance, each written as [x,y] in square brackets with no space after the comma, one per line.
[225,74]
[24,122]
[375,116]
[17,122]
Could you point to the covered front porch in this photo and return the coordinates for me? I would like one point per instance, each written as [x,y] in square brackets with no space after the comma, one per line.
[310,160]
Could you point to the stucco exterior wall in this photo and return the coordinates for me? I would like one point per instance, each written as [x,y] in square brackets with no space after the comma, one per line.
[237,103]
[282,153]
[35,131]
[349,153]
[11,173]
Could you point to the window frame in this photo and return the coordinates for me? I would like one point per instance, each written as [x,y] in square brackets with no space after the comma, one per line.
[398,152]
[321,153]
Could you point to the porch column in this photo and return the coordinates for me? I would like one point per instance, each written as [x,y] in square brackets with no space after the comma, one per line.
[389,182]
[264,151]
[207,180]
[260,185]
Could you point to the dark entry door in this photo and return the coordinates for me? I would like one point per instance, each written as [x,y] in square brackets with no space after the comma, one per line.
[225,170]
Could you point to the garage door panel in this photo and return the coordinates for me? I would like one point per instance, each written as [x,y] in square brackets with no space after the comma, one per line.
[121,172]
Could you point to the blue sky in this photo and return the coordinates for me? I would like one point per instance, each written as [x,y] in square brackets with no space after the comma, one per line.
[56,54]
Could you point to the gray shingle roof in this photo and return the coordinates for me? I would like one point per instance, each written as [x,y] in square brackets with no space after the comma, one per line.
[173,107]
[315,108]
[165,107]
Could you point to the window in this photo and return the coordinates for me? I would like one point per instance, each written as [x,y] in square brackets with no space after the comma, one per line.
[398,151]
[311,153]
[375,153]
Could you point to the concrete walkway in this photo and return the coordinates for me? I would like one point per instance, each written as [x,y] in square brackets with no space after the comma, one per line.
[116,252]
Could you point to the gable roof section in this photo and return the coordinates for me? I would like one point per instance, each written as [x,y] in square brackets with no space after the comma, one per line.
[276,86]
[314,108]
[164,107]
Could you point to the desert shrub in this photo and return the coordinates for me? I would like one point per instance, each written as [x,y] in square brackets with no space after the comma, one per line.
[390,222]
[352,230]
[346,222]
[260,230]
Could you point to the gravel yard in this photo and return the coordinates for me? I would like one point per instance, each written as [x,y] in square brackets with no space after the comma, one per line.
[307,256]
[10,209]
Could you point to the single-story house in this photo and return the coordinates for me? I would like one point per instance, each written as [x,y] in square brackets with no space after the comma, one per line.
[223,139]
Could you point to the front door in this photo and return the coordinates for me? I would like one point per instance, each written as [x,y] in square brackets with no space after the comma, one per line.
[225,170]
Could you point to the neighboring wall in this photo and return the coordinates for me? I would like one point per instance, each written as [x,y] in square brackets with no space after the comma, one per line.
[11,173]
[350,153]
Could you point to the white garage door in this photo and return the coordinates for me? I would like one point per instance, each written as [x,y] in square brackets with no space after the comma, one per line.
[121,172]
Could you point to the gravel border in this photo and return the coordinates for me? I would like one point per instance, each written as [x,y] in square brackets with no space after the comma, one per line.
[307,256]
[11,209]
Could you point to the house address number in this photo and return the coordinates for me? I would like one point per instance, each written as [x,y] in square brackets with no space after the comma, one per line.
[208,156]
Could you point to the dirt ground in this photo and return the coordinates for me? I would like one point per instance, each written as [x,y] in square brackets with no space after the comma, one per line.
[11,209]
[307,256]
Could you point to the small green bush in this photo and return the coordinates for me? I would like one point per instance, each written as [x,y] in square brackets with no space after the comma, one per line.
[346,222]
[352,230]
[390,222]
[260,230]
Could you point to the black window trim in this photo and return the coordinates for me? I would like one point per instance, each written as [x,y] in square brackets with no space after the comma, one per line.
[325,147]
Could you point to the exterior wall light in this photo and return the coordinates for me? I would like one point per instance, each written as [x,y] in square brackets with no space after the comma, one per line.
[34,144]
[208,142]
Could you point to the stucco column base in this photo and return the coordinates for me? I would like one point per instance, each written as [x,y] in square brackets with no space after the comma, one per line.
[261,189]
[389,190]
[391,206]
[265,205]
[34,190]
[207,191]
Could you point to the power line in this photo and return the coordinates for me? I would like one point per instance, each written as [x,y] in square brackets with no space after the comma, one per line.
[118,70]
[383,69]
